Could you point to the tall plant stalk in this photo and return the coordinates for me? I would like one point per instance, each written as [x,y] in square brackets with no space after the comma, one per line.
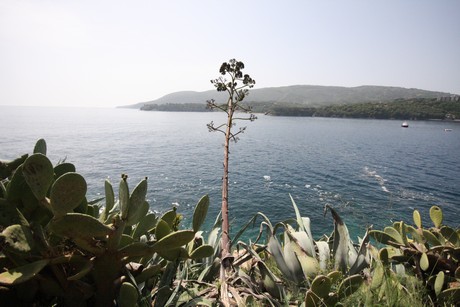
[237,88]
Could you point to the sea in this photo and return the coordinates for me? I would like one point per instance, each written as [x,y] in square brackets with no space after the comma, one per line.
[373,172]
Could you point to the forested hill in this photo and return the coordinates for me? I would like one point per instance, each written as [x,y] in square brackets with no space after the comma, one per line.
[415,109]
[307,95]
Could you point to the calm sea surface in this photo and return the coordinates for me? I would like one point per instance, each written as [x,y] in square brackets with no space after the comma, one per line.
[372,171]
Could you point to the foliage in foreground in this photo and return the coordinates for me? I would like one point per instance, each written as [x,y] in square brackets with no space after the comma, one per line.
[57,248]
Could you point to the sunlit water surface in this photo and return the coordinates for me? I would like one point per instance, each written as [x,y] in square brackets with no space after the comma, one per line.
[371,171]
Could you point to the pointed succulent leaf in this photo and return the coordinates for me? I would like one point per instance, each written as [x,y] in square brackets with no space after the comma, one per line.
[275,249]
[199,215]
[270,281]
[128,295]
[21,274]
[39,174]
[40,147]
[17,239]
[342,246]
[67,192]
[436,216]
[309,265]
[77,225]
[321,286]
[417,219]
[324,254]
[174,240]
[162,229]
[202,251]
[349,285]
[123,197]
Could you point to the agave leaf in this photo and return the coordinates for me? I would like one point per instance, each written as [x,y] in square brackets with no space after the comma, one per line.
[21,274]
[199,215]
[270,281]
[362,261]
[308,264]
[324,254]
[343,250]
[275,249]
[304,225]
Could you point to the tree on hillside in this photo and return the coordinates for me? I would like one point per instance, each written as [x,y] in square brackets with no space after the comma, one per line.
[237,88]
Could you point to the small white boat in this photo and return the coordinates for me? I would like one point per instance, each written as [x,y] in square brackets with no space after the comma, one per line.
[447,130]
[405,125]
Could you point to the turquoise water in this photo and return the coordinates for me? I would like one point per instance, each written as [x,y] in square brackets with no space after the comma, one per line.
[372,171]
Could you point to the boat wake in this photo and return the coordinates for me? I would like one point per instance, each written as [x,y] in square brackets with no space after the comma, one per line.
[373,174]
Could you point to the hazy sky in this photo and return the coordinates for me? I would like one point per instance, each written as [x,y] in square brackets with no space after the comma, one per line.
[109,53]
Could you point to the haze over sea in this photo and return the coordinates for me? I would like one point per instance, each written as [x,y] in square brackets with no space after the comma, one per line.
[371,171]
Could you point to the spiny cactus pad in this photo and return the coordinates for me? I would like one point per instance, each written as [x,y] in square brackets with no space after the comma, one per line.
[39,174]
